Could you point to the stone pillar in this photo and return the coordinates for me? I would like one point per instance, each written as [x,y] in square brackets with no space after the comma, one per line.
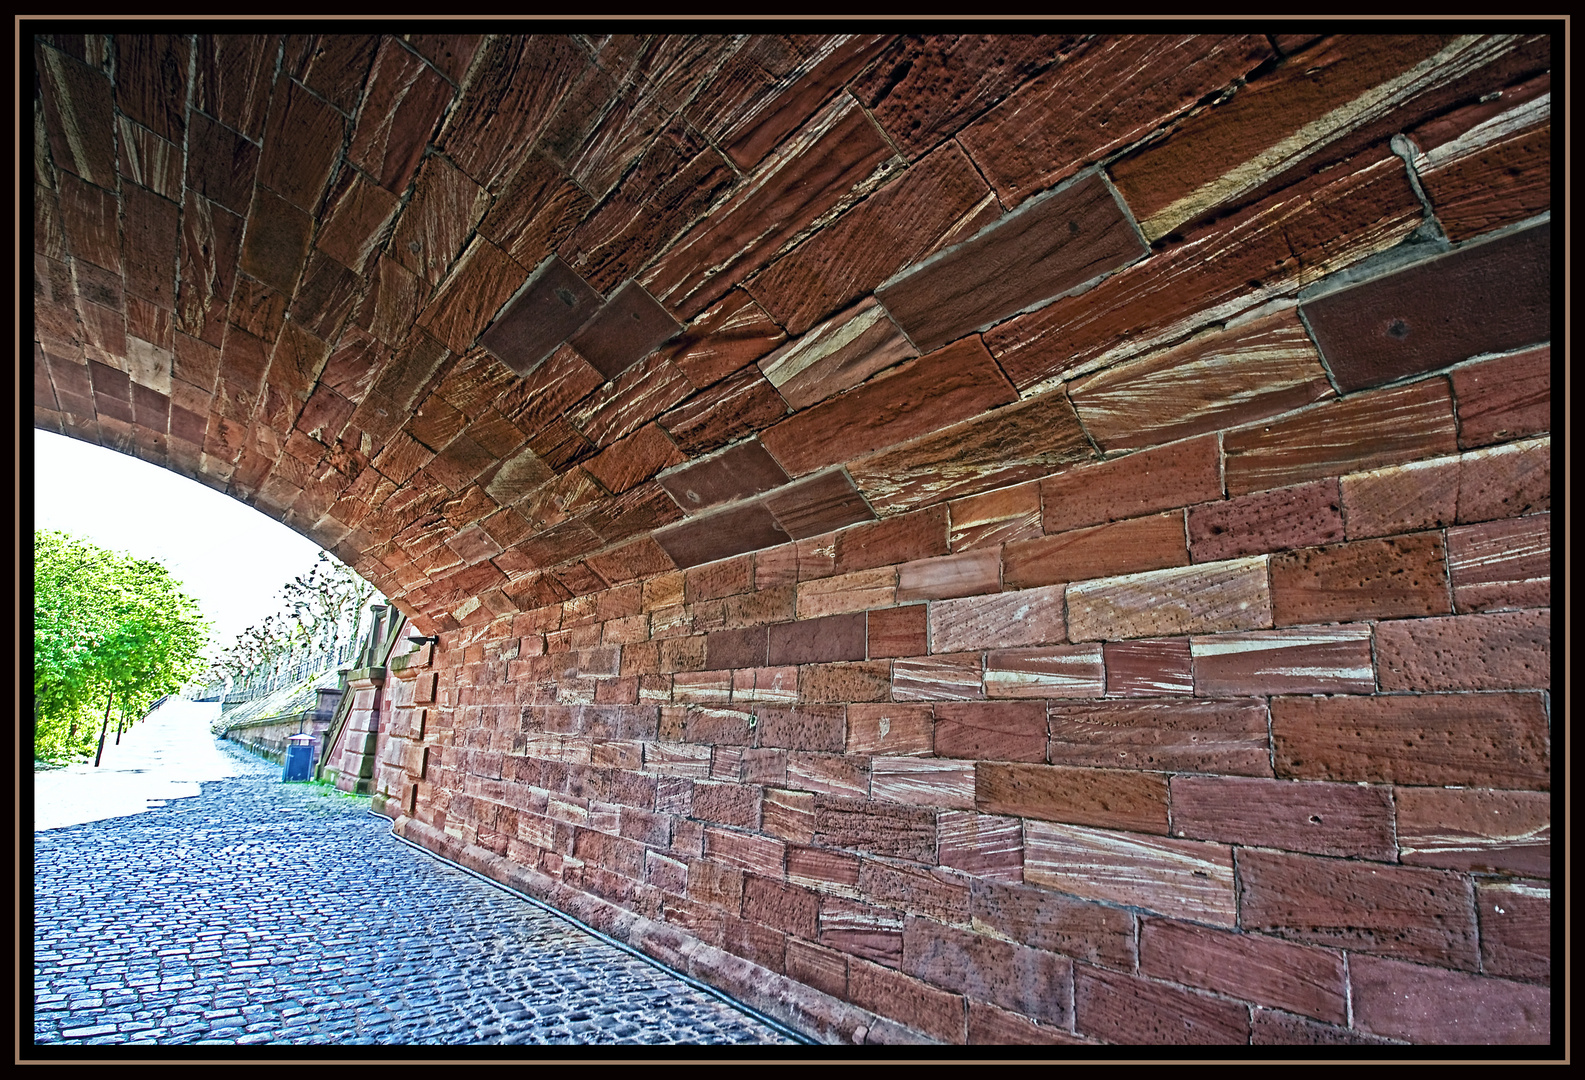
[403,755]
[353,756]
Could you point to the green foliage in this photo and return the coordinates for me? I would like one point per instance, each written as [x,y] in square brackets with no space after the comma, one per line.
[108,629]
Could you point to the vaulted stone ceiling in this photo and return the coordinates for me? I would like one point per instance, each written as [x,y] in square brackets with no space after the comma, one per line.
[503,320]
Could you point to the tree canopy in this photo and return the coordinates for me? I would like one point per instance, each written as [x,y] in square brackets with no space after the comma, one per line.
[107,629]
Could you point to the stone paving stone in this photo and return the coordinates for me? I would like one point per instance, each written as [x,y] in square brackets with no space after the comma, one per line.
[293,918]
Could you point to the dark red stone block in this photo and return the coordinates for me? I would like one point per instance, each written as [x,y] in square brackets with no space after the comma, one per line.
[538,210]
[818,641]
[734,531]
[1491,297]
[151,81]
[628,462]
[952,384]
[742,471]
[234,72]
[1130,85]
[220,164]
[1148,667]
[838,150]
[938,202]
[1504,398]
[995,731]
[724,338]
[404,101]
[1425,1005]
[1126,1009]
[620,334]
[1499,184]
[79,114]
[1293,517]
[303,138]
[678,179]
[1348,820]
[90,222]
[516,86]
[1043,249]
[895,632]
[275,245]
[818,505]
[737,406]
[554,303]
[742,648]
[1501,564]
[149,246]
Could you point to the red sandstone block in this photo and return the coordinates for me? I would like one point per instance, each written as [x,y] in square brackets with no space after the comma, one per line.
[789,815]
[817,167]
[788,908]
[1503,564]
[676,759]
[1226,737]
[715,884]
[818,504]
[819,640]
[1215,380]
[1026,617]
[1133,85]
[1122,547]
[862,930]
[1425,915]
[746,851]
[984,847]
[1483,740]
[1362,431]
[1507,651]
[903,538]
[1148,668]
[948,576]
[1300,516]
[1471,829]
[915,1004]
[1274,1028]
[813,965]
[849,592]
[868,680]
[1402,575]
[727,804]
[1504,398]
[998,731]
[824,869]
[836,355]
[1045,248]
[1132,485]
[1506,481]
[1207,598]
[990,1026]
[1483,298]
[1027,980]
[922,781]
[1125,1009]
[881,828]
[901,631]
[1482,181]
[1260,969]
[1054,671]
[755,943]
[986,521]
[669,875]
[888,729]
[939,893]
[1323,819]
[938,201]
[1183,878]
[766,686]
[1317,660]
[951,677]
[1043,919]
[702,687]
[1426,1005]
[1105,798]
[1402,498]
[809,727]
[954,383]
[1516,929]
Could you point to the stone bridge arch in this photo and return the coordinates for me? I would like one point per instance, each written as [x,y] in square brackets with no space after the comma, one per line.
[1035,538]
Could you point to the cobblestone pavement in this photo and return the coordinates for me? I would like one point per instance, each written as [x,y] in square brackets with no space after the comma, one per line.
[261,912]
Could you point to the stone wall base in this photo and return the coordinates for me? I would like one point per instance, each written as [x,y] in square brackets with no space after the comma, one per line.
[818,1015]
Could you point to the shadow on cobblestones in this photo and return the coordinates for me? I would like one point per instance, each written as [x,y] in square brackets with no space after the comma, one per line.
[275,914]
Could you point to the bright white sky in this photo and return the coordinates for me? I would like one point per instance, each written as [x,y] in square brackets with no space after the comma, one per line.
[230,558]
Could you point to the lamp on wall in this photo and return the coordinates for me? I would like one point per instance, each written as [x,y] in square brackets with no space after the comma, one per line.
[422,641]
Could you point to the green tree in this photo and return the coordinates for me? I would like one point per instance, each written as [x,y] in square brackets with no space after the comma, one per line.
[110,633]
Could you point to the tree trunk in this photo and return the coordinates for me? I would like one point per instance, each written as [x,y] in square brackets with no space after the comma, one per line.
[100,752]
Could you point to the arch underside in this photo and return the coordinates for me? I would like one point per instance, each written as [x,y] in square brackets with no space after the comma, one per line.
[1016,535]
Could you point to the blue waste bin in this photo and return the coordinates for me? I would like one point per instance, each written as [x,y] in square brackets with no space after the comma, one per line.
[299,757]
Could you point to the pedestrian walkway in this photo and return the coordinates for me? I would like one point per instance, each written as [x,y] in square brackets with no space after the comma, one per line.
[262,912]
